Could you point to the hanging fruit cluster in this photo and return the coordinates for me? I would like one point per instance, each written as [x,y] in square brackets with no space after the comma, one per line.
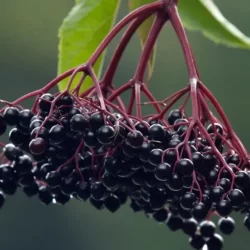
[176,167]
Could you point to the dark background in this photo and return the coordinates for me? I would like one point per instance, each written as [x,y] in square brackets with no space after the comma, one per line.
[28,60]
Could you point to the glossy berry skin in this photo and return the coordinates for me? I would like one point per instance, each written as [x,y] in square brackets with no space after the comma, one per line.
[109,181]
[68,185]
[246,222]
[199,211]
[161,215]
[2,199]
[226,225]
[37,146]
[96,120]
[44,195]
[57,133]
[112,203]
[45,102]
[224,207]
[242,179]
[216,193]
[98,191]
[189,226]
[187,200]
[16,137]
[196,241]
[142,127]
[173,116]
[174,223]
[25,117]
[135,139]
[237,197]
[156,132]
[215,242]
[163,171]
[184,167]
[155,156]
[11,115]
[3,125]
[53,178]
[79,123]
[105,134]
[23,164]
[83,190]
[225,184]
[207,228]
[11,152]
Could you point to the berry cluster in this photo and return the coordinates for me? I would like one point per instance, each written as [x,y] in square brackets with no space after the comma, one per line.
[178,167]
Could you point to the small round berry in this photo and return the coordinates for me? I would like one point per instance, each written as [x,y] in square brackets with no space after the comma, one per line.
[11,152]
[184,167]
[237,197]
[215,128]
[106,134]
[226,225]
[187,200]
[31,190]
[163,171]
[207,228]
[11,115]
[142,127]
[53,178]
[156,132]
[25,117]
[57,133]
[90,139]
[96,120]
[215,242]
[224,207]
[135,139]
[45,102]
[2,199]
[225,183]
[246,222]
[197,241]
[79,123]
[216,193]
[155,156]
[109,181]
[16,137]
[37,146]
[112,203]
[174,223]
[199,211]
[3,125]
[144,151]
[190,226]
[98,191]
[68,185]
[23,164]
[65,103]
[83,190]
[35,123]
[161,215]
[175,183]
[44,195]
[242,179]
[62,199]
[173,116]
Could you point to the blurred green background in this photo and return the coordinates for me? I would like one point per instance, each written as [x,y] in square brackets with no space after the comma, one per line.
[28,60]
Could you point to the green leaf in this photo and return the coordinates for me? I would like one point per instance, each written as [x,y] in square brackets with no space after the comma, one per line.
[144,30]
[205,16]
[81,32]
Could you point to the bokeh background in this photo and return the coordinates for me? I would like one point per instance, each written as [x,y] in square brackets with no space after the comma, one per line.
[28,60]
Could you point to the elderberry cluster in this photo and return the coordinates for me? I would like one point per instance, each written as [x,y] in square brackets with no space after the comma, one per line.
[170,172]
